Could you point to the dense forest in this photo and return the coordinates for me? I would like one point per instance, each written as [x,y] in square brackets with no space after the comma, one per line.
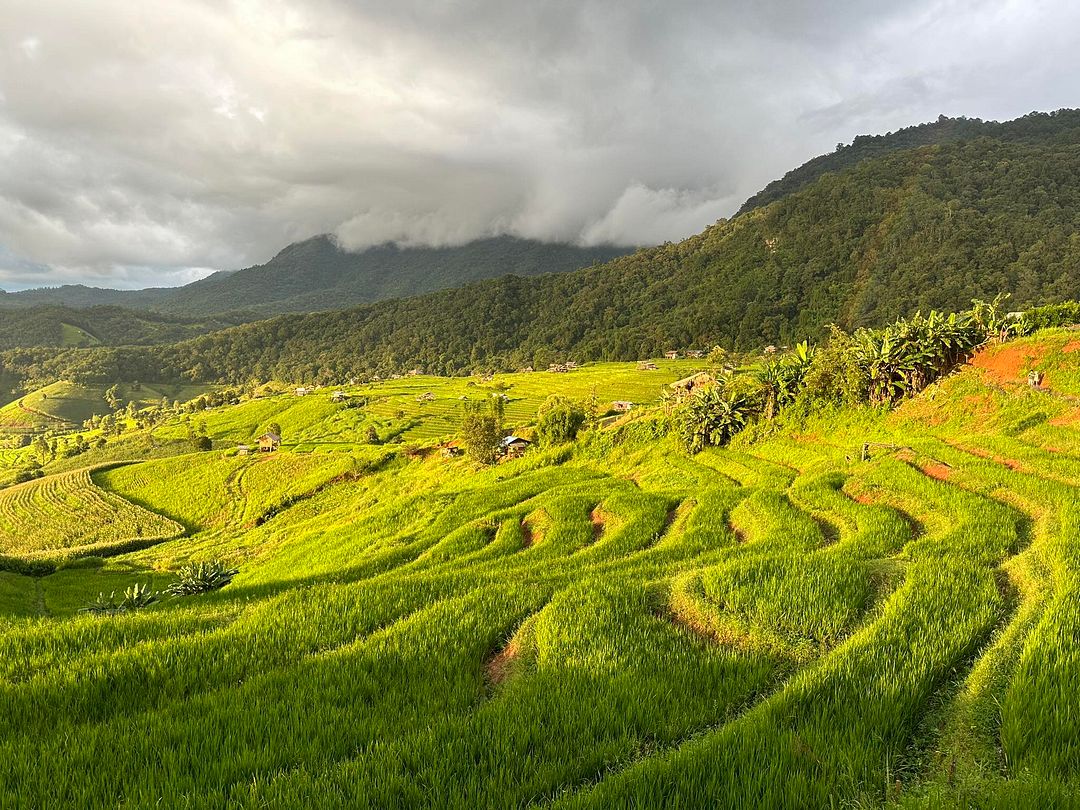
[317,274]
[101,325]
[1034,127]
[930,227]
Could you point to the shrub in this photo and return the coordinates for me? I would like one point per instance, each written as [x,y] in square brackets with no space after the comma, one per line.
[558,420]
[202,577]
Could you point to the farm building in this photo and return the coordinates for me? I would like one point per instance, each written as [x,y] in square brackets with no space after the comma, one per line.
[672,355]
[514,446]
[527,370]
[570,365]
[338,396]
[770,350]
[302,391]
[427,396]
[695,353]
[689,384]
[243,449]
[451,449]
[622,405]
[415,372]
[558,368]
[269,442]
[647,365]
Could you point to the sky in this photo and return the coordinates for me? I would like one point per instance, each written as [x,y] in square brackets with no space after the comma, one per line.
[148,144]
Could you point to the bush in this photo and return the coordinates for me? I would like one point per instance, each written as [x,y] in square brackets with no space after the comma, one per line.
[201,577]
[558,420]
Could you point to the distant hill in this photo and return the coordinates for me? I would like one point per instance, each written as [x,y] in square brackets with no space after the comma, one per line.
[928,227]
[1033,128]
[317,274]
[62,326]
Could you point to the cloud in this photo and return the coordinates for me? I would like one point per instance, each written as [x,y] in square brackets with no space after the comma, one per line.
[142,142]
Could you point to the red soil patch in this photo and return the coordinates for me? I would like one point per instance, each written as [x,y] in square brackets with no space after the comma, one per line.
[597,518]
[1070,347]
[935,469]
[500,666]
[1009,364]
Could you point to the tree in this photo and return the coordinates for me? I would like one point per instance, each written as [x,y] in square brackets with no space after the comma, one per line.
[373,435]
[274,428]
[713,415]
[558,420]
[481,431]
[112,396]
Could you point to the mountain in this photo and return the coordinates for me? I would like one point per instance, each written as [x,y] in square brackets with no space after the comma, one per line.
[318,274]
[928,227]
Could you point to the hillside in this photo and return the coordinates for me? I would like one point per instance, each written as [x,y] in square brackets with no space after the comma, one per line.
[317,274]
[858,606]
[64,326]
[1031,128]
[916,229]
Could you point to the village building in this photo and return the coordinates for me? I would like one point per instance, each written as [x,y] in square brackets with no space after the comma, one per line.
[451,449]
[770,350]
[269,442]
[672,355]
[338,396]
[427,396]
[647,365]
[622,405]
[415,372]
[527,370]
[302,391]
[513,446]
[695,353]
[557,368]
[243,449]
[570,365]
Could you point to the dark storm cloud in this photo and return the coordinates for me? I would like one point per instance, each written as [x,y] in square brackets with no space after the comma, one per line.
[147,143]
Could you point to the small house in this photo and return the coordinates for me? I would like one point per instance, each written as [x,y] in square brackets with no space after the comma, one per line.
[527,370]
[695,353]
[622,405]
[570,365]
[514,446]
[770,350]
[269,442]
[415,372]
[647,365]
[243,450]
[302,391]
[427,396]
[338,396]
[672,355]
[1035,379]
[557,368]
[451,449]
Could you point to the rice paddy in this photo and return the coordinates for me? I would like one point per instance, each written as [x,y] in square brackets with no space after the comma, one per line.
[611,623]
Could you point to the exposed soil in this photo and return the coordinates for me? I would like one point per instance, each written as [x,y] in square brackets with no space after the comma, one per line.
[1009,364]
[935,469]
[527,538]
[597,518]
[1070,347]
[499,667]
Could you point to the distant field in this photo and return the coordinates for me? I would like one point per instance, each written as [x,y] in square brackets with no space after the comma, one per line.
[71,335]
[67,511]
[64,405]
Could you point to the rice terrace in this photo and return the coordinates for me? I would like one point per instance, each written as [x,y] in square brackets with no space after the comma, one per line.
[503,406]
[846,604]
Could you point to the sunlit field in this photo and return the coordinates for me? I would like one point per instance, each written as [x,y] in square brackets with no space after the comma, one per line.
[610,623]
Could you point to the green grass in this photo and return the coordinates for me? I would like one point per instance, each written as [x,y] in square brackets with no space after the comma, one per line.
[609,624]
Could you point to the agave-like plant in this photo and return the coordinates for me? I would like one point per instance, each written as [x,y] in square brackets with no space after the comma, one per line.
[202,577]
[139,596]
[713,415]
[103,605]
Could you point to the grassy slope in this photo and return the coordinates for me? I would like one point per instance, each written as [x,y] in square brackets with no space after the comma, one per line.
[615,624]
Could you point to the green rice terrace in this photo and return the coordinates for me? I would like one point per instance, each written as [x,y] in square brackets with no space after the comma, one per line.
[863,599]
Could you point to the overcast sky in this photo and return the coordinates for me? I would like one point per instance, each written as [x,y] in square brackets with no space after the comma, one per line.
[146,143]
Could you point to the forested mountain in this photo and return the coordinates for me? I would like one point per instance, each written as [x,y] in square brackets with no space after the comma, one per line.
[47,325]
[913,229]
[317,274]
[1033,128]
